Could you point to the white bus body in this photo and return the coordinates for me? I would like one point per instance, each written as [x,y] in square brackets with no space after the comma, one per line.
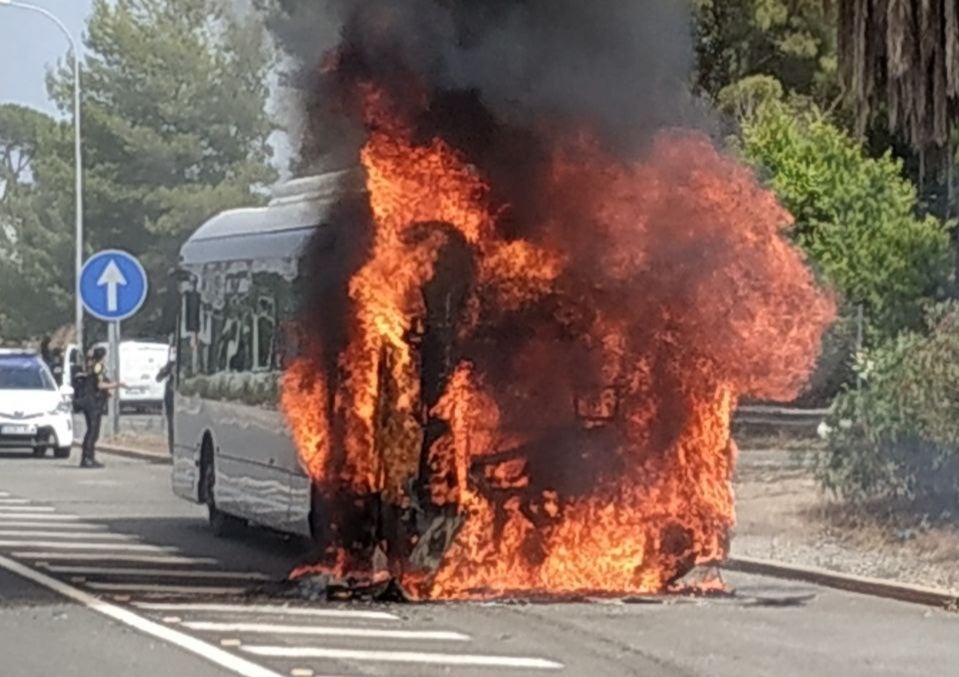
[232,449]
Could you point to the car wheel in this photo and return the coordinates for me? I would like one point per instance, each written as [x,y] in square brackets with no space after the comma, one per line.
[39,452]
[62,452]
[221,523]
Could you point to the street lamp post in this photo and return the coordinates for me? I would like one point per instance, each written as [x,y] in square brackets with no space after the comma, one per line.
[78,158]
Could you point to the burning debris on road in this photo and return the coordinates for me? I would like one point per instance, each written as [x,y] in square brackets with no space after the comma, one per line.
[520,380]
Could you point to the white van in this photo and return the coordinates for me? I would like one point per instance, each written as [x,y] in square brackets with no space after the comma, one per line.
[140,362]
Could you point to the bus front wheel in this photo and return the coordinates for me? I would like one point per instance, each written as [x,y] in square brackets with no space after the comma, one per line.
[221,523]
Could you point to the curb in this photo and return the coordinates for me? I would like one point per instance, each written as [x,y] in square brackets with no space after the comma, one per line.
[914,594]
[129,452]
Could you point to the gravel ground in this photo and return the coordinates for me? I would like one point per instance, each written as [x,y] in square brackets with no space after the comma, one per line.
[782,516]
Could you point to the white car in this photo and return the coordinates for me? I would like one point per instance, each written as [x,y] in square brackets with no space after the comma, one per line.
[34,413]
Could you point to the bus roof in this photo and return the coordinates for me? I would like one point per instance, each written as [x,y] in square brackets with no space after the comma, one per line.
[297,205]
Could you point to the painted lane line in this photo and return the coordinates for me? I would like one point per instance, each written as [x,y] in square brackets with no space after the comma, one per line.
[113,557]
[97,536]
[58,545]
[15,501]
[151,573]
[25,508]
[326,631]
[205,650]
[148,588]
[428,658]
[264,609]
[40,517]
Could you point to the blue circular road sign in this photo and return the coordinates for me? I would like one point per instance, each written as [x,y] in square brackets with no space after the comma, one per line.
[113,285]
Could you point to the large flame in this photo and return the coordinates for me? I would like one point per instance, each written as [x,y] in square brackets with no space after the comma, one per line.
[579,440]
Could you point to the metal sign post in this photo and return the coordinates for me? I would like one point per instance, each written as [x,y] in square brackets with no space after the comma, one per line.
[113,425]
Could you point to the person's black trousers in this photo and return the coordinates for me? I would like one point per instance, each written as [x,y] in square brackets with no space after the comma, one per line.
[93,417]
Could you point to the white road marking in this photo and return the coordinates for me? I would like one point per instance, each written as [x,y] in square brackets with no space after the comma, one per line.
[58,545]
[167,589]
[327,631]
[196,646]
[14,501]
[25,508]
[42,517]
[151,573]
[96,536]
[79,526]
[113,557]
[301,672]
[428,658]
[262,609]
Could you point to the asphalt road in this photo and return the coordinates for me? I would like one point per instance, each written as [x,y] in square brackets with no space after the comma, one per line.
[106,573]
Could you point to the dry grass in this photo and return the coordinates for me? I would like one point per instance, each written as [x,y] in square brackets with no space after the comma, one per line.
[783,515]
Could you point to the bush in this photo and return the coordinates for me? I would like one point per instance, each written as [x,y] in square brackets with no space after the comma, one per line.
[897,436]
[855,215]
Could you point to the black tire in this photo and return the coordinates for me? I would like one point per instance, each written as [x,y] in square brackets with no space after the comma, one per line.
[39,452]
[62,452]
[221,524]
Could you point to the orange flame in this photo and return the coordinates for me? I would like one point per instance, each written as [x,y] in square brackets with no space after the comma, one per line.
[593,454]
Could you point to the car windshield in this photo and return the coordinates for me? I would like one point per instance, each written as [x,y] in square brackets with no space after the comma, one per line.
[24,373]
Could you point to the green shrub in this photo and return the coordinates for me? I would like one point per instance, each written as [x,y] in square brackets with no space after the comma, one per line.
[897,435]
[855,215]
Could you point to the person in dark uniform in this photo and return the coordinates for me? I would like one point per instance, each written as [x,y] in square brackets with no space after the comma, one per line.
[96,393]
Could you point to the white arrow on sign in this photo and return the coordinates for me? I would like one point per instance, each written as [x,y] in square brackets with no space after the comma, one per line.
[111,278]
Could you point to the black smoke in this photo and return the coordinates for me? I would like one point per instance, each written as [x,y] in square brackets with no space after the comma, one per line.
[620,67]
[502,80]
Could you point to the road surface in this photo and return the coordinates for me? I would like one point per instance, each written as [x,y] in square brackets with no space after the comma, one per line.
[104,572]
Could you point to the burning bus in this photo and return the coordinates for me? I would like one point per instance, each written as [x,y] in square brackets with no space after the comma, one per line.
[475,416]
[501,357]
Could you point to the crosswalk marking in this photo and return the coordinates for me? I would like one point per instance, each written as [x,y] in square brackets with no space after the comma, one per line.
[148,588]
[226,660]
[425,657]
[79,526]
[268,609]
[112,557]
[168,573]
[105,563]
[39,517]
[326,631]
[101,536]
[60,545]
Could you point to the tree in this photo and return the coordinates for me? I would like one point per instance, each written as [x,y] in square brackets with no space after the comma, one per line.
[176,128]
[35,240]
[792,41]
[903,56]
[855,215]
